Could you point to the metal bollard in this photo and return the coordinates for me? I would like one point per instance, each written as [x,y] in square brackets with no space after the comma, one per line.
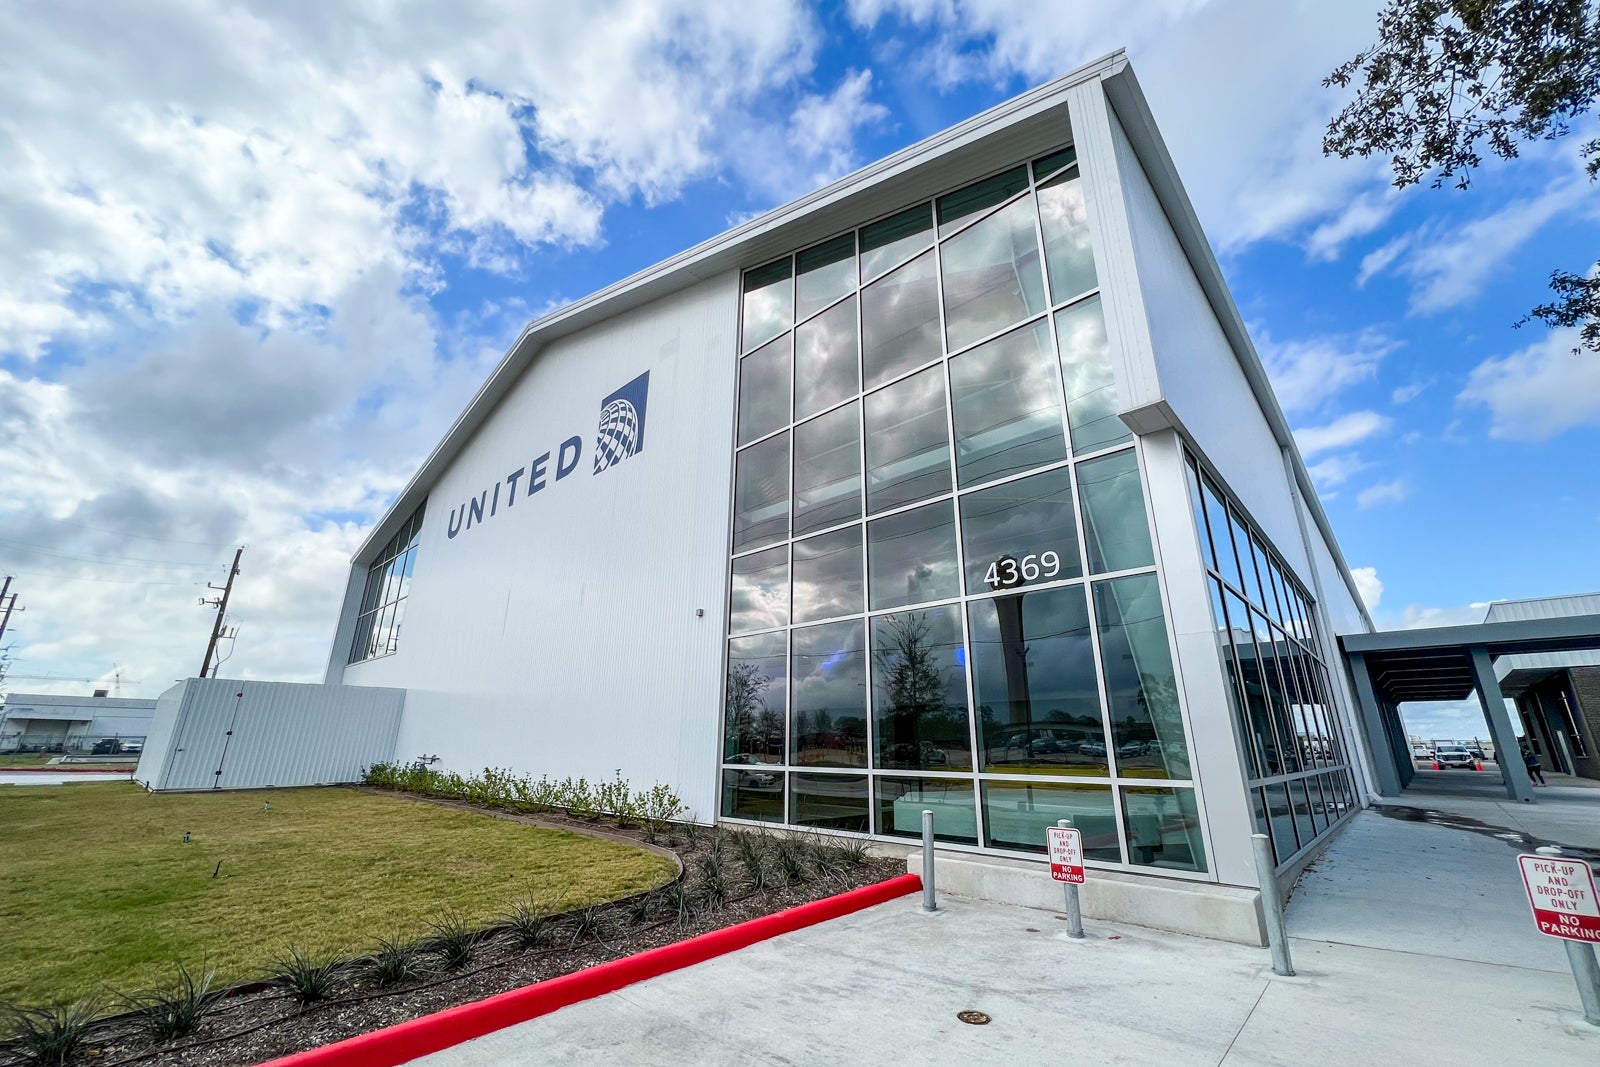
[1272,905]
[928,901]
[1587,973]
[1074,911]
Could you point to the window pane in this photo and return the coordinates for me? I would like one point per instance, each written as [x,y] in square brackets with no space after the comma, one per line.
[1115,534]
[761,494]
[394,625]
[1163,828]
[1140,684]
[1259,805]
[1198,507]
[1007,406]
[919,691]
[827,360]
[1302,811]
[900,321]
[764,390]
[827,470]
[1241,545]
[911,557]
[828,699]
[1228,658]
[1043,168]
[1262,730]
[991,275]
[1034,682]
[1065,221]
[901,802]
[908,442]
[827,575]
[752,794]
[1030,522]
[955,207]
[836,801]
[1217,517]
[757,683]
[889,243]
[1086,368]
[361,641]
[768,303]
[824,274]
[1016,815]
[760,596]
[1284,842]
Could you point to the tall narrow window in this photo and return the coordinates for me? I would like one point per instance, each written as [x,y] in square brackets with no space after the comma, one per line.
[383,602]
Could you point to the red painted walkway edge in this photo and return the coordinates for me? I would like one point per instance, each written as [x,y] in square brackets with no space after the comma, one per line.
[407,1041]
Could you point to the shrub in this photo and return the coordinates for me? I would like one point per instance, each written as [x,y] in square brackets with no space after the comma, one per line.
[528,924]
[175,1010]
[54,1033]
[656,808]
[586,923]
[453,940]
[395,963]
[309,978]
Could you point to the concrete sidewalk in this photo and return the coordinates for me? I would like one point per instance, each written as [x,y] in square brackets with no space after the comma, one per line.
[1450,983]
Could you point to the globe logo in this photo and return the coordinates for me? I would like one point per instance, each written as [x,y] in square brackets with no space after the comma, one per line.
[618,436]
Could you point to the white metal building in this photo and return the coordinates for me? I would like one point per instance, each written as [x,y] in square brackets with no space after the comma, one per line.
[42,722]
[963,489]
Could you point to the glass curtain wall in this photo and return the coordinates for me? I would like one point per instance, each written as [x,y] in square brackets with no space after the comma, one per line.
[383,602]
[1295,752]
[943,591]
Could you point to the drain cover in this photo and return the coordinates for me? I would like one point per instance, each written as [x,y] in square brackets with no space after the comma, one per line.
[976,1018]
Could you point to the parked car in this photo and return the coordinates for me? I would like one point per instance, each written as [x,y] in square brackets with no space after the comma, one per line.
[106,746]
[1129,749]
[1445,759]
[1093,748]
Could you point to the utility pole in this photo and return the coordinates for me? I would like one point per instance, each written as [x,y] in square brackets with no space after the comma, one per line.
[222,610]
[7,606]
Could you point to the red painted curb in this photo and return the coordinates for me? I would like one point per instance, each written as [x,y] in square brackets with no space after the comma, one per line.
[406,1041]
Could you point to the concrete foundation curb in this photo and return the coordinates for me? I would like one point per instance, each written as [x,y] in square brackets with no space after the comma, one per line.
[407,1041]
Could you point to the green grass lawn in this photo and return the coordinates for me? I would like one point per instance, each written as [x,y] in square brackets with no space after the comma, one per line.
[98,889]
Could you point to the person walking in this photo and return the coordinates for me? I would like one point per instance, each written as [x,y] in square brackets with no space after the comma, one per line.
[1530,759]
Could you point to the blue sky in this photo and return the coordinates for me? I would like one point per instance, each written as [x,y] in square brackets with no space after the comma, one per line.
[255,261]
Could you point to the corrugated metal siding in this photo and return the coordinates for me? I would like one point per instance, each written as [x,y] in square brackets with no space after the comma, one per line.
[1550,607]
[559,636]
[282,734]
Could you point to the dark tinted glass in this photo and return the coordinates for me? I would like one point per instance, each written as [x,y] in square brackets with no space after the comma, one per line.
[1016,815]
[764,390]
[1034,682]
[1303,822]
[1116,535]
[752,793]
[900,321]
[757,684]
[911,557]
[1055,161]
[991,274]
[768,303]
[1163,828]
[889,243]
[761,494]
[1281,817]
[919,691]
[827,575]
[824,273]
[835,801]
[827,470]
[956,207]
[901,802]
[1007,405]
[828,698]
[1140,684]
[760,596]
[827,360]
[1021,533]
[908,441]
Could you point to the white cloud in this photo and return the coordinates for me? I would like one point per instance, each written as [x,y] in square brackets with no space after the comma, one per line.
[1415,617]
[1391,492]
[1361,216]
[823,128]
[1369,585]
[1405,394]
[1308,373]
[1378,260]
[1341,432]
[1538,392]
[1336,470]
[1248,143]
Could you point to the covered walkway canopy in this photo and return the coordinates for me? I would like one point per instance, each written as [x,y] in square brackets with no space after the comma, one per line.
[1449,663]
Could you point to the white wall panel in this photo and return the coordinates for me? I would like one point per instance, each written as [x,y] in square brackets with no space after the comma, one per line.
[559,636]
[158,742]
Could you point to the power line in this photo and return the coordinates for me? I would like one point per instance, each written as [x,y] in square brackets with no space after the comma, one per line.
[114,561]
[63,576]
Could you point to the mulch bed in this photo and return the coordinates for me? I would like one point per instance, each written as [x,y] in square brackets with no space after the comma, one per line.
[257,1022]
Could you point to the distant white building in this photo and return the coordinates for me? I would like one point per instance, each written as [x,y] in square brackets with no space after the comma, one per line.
[37,722]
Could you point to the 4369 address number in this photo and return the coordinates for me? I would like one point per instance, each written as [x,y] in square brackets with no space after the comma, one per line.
[1006,572]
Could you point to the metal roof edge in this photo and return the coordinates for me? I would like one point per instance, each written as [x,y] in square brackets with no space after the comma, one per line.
[678,271]
[1564,628]
[1128,99]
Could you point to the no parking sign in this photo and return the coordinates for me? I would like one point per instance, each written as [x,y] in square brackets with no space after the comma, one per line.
[1066,853]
